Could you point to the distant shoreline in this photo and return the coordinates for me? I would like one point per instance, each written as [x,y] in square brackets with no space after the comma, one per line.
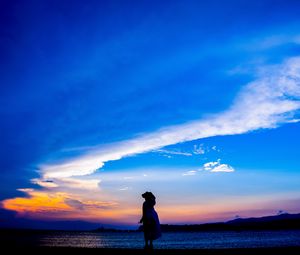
[283,221]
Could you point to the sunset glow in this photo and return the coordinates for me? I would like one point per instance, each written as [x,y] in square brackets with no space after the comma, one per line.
[196,101]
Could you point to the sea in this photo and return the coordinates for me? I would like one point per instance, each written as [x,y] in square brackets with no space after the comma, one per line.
[169,240]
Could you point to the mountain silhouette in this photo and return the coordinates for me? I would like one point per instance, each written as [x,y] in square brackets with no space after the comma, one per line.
[283,221]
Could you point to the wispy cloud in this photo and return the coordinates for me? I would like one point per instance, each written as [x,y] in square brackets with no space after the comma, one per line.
[201,149]
[181,153]
[268,102]
[68,183]
[44,183]
[216,166]
[272,41]
[125,188]
[75,183]
[189,173]
[128,177]
[198,150]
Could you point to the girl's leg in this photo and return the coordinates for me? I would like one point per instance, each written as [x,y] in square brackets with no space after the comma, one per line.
[151,244]
[146,243]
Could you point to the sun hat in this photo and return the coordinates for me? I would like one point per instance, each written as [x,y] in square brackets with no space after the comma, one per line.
[148,194]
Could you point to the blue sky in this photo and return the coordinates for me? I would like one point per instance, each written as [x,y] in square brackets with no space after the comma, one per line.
[197,101]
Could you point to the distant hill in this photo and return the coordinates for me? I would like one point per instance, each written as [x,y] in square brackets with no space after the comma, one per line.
[278,222]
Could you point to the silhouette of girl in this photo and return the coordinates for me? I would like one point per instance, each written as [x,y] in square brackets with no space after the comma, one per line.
[150,220]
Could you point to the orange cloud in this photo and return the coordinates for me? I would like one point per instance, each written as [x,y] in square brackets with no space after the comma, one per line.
[58,205]
[38,203]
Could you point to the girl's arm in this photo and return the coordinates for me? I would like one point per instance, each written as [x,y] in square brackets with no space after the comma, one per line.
[142,219]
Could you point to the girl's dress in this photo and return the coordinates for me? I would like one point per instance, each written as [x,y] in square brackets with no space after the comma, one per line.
[150,219]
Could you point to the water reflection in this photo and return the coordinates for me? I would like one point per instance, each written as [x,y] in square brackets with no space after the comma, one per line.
[177,240]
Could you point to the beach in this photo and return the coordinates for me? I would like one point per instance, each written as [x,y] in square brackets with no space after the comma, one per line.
[112,251]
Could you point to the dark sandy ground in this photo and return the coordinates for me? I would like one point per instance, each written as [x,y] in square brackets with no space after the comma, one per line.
[101,251]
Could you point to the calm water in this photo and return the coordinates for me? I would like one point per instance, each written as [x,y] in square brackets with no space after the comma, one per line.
[177,240]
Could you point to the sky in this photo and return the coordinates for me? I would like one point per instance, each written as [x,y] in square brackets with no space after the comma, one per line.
[195,101]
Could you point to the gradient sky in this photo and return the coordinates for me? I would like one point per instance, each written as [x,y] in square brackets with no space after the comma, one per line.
[196,101]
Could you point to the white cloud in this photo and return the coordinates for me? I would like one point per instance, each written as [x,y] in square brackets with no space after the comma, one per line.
[223,168]
[267,102]
[210,165]
[216,166]
[198,150]
[72,183]
[214,148]
[189,173]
